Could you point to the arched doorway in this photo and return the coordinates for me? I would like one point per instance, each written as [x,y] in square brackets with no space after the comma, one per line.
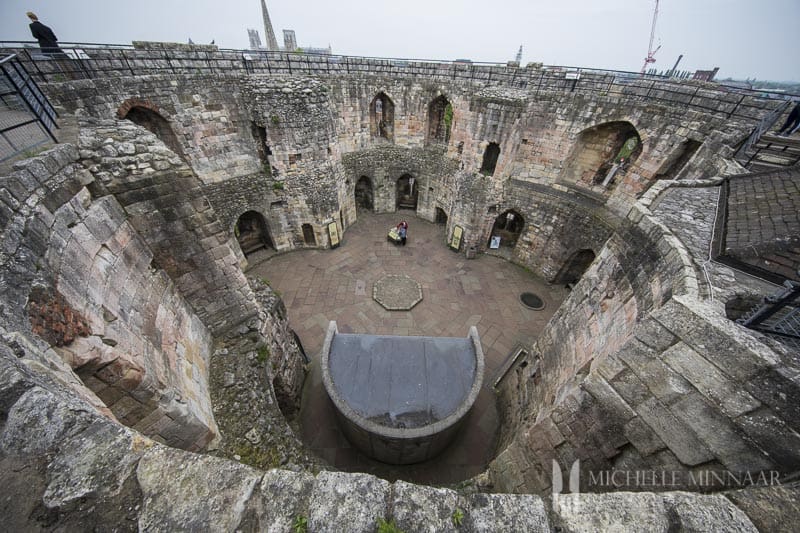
[407,192]
[363,194]
[506,230]
[441,216]
[382,116]
[490,156]
[156,124]
[440,118]
[252,233]
[308,235]
[602,154]
[574,267]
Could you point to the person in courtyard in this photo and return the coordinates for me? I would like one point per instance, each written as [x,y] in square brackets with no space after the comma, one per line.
[792,121]
[48,41]
[402,230]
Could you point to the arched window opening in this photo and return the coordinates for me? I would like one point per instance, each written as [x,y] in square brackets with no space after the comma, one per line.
[364,194]
[440,119]
[156,124]
[308,235]
[382,116]
[407,192]
[506,230]
[602,154]
[252,233]
[441,216]
[574,267]
[490,156]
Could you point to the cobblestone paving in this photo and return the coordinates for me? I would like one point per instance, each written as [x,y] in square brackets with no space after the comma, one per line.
[322,285]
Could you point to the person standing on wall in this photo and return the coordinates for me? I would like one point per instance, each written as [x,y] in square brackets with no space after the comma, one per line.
[48,41]
[792,121]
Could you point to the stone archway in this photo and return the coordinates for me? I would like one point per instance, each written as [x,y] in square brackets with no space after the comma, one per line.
[364,194]
[602,154]
[252,233]
[381,111]
[440,119]
[573,268]
[407,192]
[150,119]
[506,230]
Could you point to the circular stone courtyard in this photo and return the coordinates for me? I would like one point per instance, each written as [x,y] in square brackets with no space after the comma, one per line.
[318,286]
[397,292]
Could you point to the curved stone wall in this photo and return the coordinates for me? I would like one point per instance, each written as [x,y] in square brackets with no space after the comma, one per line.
[122,240]
[638,372]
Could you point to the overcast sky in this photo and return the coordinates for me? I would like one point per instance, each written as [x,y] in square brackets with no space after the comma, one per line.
[745,38]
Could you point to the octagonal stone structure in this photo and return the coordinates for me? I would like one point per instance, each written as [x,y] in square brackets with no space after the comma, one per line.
[401,399]
[397,292]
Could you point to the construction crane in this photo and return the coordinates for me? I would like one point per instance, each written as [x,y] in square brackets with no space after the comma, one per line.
[650,52]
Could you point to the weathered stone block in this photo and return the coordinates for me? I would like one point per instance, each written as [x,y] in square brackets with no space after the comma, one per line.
[709,380]
[283,498]
[420,508]
[347,502]
[719,435]
[506,512]
[680,439]
[213,492]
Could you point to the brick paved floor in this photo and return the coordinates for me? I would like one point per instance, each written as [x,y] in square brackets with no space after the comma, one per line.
[322,285]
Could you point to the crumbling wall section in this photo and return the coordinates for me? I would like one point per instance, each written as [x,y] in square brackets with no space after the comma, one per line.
[164,203]
[80,276]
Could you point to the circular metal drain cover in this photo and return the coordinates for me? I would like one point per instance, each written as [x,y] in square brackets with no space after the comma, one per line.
[531,301]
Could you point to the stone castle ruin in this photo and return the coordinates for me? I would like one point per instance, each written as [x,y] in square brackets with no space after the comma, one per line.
[146,382]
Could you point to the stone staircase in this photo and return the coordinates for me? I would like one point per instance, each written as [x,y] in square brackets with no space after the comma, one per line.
[772,151]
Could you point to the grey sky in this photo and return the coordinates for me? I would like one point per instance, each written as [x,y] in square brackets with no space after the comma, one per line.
[745,38]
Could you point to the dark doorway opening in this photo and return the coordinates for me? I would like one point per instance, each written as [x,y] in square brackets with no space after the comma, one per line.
[574,267]
[407,192]
[308,235]
[156,124]
[363,194]
[506,230]
[252,233]
[441,216]
[490,156]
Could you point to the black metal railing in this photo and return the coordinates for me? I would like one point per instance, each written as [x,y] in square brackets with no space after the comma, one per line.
[778,315]
[93,60]
[27,119]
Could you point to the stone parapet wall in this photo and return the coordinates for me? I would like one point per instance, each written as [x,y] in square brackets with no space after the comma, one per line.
[173,58]
[72,469]
[142,350]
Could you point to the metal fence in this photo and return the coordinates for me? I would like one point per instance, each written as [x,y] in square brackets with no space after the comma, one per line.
[27,119]
[778,316]
[93,60]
